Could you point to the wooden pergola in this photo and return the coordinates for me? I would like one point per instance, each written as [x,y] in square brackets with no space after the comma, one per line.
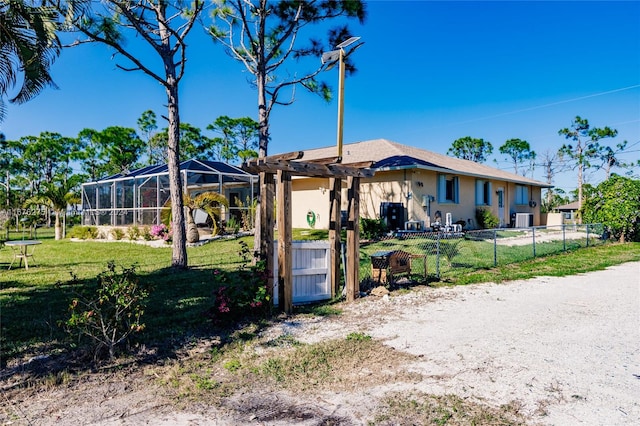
[275,174]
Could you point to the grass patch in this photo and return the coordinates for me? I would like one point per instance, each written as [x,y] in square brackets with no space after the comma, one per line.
[350,364]
[418,408]
[346,364]
[318,310]
[358,336]
[558,265]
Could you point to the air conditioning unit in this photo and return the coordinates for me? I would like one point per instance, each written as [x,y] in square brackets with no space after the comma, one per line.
[414,225]
[524,220]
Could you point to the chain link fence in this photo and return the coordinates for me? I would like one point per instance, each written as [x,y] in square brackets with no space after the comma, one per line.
[428,256]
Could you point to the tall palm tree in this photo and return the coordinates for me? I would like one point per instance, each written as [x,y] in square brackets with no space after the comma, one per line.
[211,203]
[28,47]
[56,198]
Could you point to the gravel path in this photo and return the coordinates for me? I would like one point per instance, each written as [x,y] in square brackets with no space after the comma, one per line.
[566,347]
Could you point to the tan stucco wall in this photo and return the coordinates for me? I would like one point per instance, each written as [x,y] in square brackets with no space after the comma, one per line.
[310,195]
[384,187]
[409,188]
[554,219]
[535,194]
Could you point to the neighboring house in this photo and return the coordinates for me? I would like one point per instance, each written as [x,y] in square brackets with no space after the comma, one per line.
[414,185]
[569,212]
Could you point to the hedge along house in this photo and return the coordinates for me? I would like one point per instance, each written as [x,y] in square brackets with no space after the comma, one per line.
[412,188]
[139,197]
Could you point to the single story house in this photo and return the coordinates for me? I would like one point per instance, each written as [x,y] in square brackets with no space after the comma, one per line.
[569,212]
[412,188]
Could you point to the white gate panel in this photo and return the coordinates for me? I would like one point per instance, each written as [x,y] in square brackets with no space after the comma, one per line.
[311,278]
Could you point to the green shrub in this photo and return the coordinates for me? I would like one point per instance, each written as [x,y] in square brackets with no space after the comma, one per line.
[133,233]
[232,225]
[243,292]
[371,229]
[616,204]
[110,313]
[117,234]
[83,232]
[486,219]
[146,233]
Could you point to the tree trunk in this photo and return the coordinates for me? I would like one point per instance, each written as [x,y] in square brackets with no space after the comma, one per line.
[193,236]
[263,143]
[580,179]
[179,254]
[58,227]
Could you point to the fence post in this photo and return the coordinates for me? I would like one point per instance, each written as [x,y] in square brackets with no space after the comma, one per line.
[587,235]
[438,256]
[495,247]
[533,233]
[564,239]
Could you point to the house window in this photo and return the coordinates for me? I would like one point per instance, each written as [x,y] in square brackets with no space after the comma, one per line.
[522,195]
[483,192]
[448,189]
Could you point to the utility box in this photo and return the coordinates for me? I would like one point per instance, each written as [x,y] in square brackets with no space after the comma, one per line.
[414,225]
[524,220]
[393,215]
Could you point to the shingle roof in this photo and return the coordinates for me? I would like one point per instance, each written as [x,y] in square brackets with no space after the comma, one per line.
[389,155]
[571,206]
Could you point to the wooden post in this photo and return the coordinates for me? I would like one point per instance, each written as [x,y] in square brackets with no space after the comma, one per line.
[335,225]
[285,260]
[267,194]
[353,239]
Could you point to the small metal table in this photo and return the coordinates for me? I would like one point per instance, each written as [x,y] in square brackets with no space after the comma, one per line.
[22,249]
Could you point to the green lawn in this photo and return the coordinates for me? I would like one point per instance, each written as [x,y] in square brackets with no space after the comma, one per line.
[32,305]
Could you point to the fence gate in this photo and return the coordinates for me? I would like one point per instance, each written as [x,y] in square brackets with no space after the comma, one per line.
[311,271]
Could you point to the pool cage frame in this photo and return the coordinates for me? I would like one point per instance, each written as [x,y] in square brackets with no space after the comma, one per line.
[139,197]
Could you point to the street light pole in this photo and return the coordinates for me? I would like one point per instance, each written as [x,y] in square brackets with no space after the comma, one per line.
[341,68]
[333,57]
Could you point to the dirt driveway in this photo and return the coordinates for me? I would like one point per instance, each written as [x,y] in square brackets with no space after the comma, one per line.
[568,349]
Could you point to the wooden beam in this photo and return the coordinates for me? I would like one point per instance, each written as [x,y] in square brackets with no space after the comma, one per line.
[360,164]
[334,160]
[285,258]
[335,225]
[296,155]
[327,160]
[353,239]
[299,168]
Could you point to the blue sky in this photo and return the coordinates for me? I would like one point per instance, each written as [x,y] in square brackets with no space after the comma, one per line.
[428,73]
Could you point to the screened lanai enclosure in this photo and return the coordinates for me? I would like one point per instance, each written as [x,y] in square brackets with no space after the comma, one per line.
[140,196]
